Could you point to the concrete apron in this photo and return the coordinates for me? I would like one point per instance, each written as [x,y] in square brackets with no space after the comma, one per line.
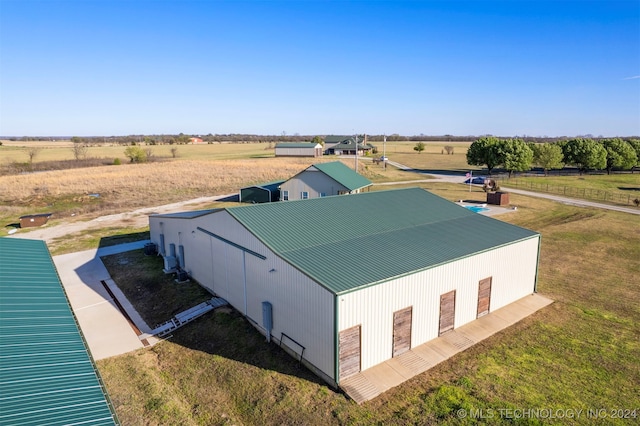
[107,329]
[370,383]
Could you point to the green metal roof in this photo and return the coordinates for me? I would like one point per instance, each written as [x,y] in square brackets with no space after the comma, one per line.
[349,242]
[296,145]
[350,144]
[336,138]
[343,175]
[186,215]
[47,376]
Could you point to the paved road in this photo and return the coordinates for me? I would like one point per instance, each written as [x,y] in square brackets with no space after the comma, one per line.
[134,218]
[460,179]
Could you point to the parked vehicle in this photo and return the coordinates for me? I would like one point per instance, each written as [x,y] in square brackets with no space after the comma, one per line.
[478,180]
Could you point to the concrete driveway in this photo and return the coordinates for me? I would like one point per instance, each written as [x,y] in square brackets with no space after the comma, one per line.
[107,329]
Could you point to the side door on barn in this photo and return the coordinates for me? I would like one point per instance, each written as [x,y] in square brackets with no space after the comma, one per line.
[349,351]
[402,330]
[484,297]
[447,312]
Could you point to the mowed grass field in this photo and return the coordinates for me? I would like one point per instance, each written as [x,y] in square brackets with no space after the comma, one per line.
[580,353]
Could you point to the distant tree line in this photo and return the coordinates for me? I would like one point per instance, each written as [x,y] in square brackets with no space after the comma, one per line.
[518,155]
[181,138]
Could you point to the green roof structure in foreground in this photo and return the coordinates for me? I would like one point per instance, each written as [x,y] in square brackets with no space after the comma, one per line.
[350,242]
[47,376]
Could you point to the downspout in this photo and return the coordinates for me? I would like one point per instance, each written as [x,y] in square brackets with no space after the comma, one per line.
[336,351]
[244,280]
[535,283]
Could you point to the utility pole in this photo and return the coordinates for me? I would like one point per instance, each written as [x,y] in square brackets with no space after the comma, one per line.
[384,152]
[356,153]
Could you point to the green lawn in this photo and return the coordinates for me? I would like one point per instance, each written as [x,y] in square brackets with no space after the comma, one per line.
[620,189]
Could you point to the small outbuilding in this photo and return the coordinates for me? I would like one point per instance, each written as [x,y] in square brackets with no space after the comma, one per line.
[33,220]
[346,283]
[323,180]
[301,149]
[261,193]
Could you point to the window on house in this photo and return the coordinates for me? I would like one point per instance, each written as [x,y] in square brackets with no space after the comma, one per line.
[285,195]
[323,194]
[304,195]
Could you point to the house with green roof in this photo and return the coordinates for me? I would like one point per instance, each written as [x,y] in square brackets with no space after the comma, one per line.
[47,374]
[332,140]
[398,269]
[323,180]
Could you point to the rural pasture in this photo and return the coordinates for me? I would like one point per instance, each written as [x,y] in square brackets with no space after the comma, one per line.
[580,353]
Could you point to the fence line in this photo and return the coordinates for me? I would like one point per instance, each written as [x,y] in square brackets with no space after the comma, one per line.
[583,193]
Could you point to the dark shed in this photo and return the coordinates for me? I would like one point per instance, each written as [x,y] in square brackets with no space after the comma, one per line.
[262,193]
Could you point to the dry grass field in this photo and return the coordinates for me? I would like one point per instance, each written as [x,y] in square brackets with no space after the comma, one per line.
[198,170]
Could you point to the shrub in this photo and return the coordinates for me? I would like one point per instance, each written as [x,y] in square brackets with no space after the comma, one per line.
[136,154]
[116,162]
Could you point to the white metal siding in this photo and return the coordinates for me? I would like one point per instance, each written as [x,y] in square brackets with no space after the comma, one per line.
[302,309]
[295,152]
[513,269]
[313,182]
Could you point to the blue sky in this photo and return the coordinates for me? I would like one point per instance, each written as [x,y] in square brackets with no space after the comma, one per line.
[559,68]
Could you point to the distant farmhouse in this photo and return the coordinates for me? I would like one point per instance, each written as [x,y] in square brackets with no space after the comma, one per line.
[346,145]
[196,140]
[300,149]
[346,283]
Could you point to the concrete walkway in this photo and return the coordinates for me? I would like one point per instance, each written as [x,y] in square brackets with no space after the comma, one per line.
[370,383]
[107,330]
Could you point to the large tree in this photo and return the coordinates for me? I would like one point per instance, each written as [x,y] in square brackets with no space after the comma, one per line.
[516,155]
[548,156]
[620,154]
[485,152]
[584,154]
[635,144]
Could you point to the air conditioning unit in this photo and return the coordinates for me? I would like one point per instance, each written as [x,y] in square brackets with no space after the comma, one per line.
[182,276]
[170,264]
[150,249]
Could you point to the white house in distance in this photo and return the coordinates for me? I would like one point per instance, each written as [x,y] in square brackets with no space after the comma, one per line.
[346,283]
[299,149]
[322,180]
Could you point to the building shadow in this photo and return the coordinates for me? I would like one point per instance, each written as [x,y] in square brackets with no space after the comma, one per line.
[224,332]
[114,240]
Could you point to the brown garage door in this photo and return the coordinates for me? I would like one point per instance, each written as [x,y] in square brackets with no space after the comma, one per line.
[349,341]
[402,331]
[484,296]
[447,311]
